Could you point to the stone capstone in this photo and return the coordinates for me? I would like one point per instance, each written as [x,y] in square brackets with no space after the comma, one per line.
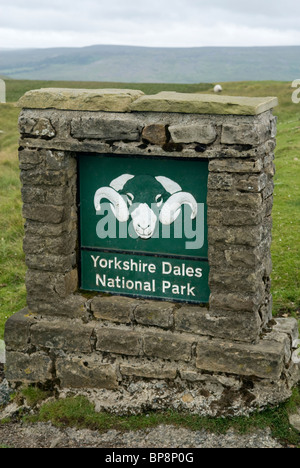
[203,104]
[108,100]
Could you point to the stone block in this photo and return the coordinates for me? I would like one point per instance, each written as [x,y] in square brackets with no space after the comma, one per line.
[48,262]
[59,160]
[43,129]
[250,183]
[46,285]
[35,228]
[288,326]
[158,314]
[25,368]
[203,104]
[234,198]
[282,338]
[44,213]
[227,280]
[193,133]
[63,245]
[244,258]
[149,370]
[40,127]
[264,359]
[168,346]
[219,323]
[242,217]
[17,330]
[108,100]
[72,306]
[39,176]
[247,236]
[29,158]
[268,190]
[107,126]
[236,166]
[118,341]
[26,124]
[85,372]
[155,134]
[60,335]
[245,134]
[114,308]
[44,196]
[236,301]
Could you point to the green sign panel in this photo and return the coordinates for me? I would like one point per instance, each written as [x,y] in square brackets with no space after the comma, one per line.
[143,228]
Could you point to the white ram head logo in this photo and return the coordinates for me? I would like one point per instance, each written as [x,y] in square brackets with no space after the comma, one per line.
[146,199]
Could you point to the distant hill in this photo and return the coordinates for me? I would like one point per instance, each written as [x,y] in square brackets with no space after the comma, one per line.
[153,65]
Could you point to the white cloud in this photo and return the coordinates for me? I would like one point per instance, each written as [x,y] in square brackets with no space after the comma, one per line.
[170,23]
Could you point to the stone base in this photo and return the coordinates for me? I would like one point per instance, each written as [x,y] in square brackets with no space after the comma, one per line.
[217,395]
[129,369]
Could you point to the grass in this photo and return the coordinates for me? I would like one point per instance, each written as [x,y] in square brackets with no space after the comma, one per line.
[78,412]
[12,266]
[286,219]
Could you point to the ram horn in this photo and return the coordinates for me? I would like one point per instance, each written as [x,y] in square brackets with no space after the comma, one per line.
[171,209]
[118,204]
[168,184]
[119,182]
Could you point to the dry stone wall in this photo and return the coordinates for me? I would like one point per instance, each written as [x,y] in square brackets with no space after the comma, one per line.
[225,357]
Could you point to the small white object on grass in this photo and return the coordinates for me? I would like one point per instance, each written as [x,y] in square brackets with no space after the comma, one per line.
[218,89]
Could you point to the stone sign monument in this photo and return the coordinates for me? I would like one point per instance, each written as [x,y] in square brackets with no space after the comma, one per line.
[147,241]
[2,91]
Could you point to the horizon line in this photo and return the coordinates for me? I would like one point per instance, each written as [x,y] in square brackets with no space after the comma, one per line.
[9,49]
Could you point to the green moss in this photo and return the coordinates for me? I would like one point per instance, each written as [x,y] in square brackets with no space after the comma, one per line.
[33,395]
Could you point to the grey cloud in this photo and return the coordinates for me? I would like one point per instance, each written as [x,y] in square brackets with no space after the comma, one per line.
[154,21]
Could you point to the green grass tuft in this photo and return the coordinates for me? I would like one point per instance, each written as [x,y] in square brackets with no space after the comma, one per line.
[78,412]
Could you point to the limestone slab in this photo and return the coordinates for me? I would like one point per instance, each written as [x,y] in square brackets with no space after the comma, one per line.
[264,360]
[203,104]
[108,100]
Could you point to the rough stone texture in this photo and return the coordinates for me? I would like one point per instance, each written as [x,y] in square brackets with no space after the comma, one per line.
[108,127]
[154,314]
[110,100]
[226,357]
[156,134]
[113,309]
[295,420]
[264,360]
[76,372]
[222,324]
[205,134]
[28,368]
[203,104]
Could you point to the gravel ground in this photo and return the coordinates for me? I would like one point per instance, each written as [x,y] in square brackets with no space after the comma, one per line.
[45,435]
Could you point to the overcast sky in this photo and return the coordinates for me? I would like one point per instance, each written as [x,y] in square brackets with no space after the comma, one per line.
[159,23]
